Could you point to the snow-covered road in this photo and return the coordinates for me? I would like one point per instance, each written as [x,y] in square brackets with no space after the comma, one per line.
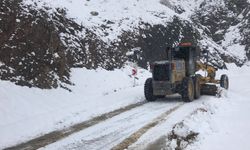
[27,113]
[113,131]
[143,126]
[215,120]
[120,130]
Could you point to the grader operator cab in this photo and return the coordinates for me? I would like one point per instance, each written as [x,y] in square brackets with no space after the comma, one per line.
[177,75]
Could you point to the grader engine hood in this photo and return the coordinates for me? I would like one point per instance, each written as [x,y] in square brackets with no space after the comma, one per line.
[162,71]
[162,78]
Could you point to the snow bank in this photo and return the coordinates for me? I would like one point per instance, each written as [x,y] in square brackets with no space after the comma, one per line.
[229,125]
[28,112]
[207,123]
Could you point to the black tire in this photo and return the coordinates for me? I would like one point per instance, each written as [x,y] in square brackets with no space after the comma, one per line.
[197,86]
[187,90]
[148,90]
[224,81]
[160,97]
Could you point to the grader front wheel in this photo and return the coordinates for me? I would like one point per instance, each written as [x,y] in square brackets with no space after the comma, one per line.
[224,81]
[148,90]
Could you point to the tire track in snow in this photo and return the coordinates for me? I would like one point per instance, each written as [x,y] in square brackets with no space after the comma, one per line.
[136,135]
[55,136]
[107,134]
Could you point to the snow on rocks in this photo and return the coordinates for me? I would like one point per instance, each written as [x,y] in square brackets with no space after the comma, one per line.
[187,131]
[122,16]
[233,44]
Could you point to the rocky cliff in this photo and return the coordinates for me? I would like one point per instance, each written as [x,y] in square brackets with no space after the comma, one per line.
[41,41]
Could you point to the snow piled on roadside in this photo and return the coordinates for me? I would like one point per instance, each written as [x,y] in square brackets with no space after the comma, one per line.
[29,112]
[231,122]
[188,130]
[223,123]
[226,124]
[208,123]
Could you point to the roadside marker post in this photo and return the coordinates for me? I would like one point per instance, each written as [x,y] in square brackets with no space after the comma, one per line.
[134,73]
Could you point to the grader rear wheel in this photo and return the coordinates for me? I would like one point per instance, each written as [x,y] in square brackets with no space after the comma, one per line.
[197,86]
[187,89]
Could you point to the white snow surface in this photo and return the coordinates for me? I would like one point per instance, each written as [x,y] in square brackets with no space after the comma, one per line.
[124,15]
[232,43]
[120,16]
[28,112]
[221,123]
[224,125]
[231,121]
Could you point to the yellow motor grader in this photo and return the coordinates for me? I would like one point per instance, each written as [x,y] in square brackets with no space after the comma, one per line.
[178,74]
[208,83]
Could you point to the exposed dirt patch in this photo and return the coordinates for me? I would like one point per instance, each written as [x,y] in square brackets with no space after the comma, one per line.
[178,141]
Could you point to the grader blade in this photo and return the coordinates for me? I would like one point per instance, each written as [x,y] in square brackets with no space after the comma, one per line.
[209,89]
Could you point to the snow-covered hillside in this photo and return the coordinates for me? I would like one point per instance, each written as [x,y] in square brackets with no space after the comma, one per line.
[98,33]
[120,16]
[66,66]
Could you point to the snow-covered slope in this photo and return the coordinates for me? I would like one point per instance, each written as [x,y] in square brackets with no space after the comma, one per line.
[98,33]
[72,43]
[120,16]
